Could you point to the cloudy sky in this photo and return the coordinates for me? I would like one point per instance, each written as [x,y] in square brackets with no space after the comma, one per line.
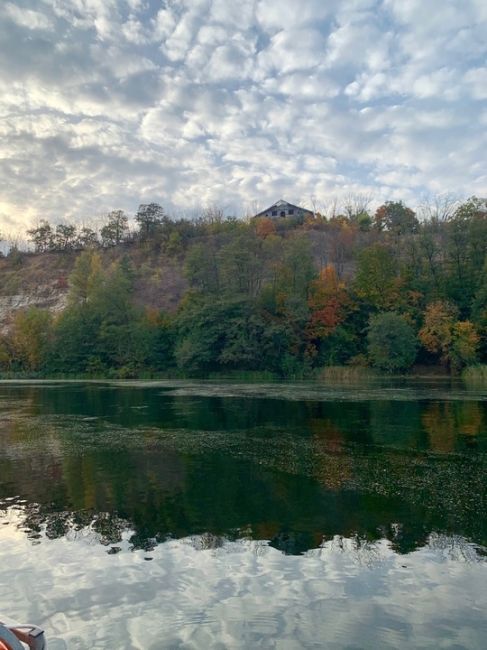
[108,103]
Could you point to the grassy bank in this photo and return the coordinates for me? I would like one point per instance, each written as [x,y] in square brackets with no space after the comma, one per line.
[476,374]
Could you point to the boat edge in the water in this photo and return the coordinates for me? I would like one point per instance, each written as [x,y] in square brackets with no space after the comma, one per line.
[11,637]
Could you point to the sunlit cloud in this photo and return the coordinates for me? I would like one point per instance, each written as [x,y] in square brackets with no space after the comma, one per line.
[108,103]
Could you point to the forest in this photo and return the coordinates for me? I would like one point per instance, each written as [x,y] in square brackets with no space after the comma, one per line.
[390,289]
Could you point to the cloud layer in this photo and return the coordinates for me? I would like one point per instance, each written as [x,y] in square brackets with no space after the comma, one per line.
[108,103]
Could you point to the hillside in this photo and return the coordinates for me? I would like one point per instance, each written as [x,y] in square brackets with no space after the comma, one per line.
[285,296]
[42,279]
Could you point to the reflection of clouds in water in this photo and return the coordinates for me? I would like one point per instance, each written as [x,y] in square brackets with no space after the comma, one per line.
[206,592]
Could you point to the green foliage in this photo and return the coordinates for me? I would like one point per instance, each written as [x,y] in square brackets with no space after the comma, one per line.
[454,342]
[149,218]
[375,280]
[283,297]
[231,334]
[241,265]
[396,218]
[115,230]
[201,268]
[30,335]
[42,237]
[391,342]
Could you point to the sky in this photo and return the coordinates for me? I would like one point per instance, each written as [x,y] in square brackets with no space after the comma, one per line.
[106,104]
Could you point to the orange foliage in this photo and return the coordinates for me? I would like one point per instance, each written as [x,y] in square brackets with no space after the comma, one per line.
[265,227]
[327,301]
[455,342]
[436,334]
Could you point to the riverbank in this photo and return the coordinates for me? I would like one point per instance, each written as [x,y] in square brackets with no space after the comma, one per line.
[330,373]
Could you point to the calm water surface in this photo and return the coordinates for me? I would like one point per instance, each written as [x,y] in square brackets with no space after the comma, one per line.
[206,515]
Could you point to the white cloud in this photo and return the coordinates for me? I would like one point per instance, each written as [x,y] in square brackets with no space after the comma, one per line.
[287,14]
[236,102]
[477,81]
[27,17]
[291,50]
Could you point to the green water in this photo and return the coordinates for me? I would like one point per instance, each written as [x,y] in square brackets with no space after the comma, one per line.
[209,515]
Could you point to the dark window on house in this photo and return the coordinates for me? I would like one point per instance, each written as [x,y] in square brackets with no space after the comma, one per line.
[291,211]
[274,213]
[283,214]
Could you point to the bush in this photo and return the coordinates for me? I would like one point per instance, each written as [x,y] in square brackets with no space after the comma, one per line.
[391,342]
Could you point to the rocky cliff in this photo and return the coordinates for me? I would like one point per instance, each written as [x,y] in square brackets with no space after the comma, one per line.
[42,280]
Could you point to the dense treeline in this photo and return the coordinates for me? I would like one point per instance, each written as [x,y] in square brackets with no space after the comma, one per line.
[283,296]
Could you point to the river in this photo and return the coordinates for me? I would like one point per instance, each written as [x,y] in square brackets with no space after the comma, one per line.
[198,514]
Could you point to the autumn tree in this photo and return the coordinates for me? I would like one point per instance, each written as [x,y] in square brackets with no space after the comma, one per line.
[454,342]
[465,341]
[396,218]
[264,227]
[436,335]
[328,302]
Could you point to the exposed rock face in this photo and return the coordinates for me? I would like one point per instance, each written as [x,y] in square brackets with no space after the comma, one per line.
[42,280]
[44,296]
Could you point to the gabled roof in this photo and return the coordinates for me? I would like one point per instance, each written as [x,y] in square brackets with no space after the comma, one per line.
[281,204]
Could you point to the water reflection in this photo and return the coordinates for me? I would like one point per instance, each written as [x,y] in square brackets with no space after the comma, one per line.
[244,516]
[291,472]
[207,591]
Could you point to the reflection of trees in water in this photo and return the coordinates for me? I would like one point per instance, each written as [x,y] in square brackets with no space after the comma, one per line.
[444,422]
[326,473]
[363,551]
[38,522]
[456,548]
[337,469]
[109,530]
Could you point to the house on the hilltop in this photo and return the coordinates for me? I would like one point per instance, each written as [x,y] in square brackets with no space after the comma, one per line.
[284,209]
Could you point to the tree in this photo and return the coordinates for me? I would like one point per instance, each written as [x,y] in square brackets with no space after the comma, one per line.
[201,268]
[396,218]
[241,265]
[436,335]
[375,280]
[87,238]
[391,342]
[464,345]
[439,208]
[30,336]
[327,303]
[42,237]
[466,251]
[86,276]
[454,342]
[479,311]
[7,354]
[149,218]
[115,231]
